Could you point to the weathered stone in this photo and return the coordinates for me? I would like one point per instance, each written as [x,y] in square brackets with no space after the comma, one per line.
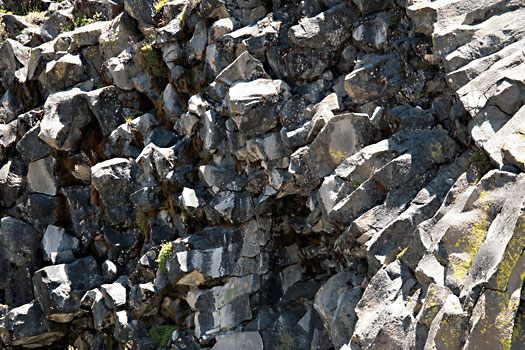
[114,181]
[143,300]
[171,104]
[38,209]
[58,246]
[331,28]
[341,137]
[121,69]
[26,326]
[115,295]
[252,104]
[364,83]
[118,35]
[80,208]
[241,340]
[10,107]
[108,105]
[20,242]
[449,327]
[109,271]
[245,67]
[308,64]
[80,37]
[41,178]
[10,184]
[127,329]
[65,115]
[8,134]
[108,9]
[370,6]
[13,56]
[143,12]
[62,73]
[32,148]
[59,288]
[374,33]
[335,303]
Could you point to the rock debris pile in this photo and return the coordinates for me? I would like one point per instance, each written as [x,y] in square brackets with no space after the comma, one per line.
[220,174]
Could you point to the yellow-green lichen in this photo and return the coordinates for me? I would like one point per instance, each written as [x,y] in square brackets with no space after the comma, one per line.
[470,244]
[512,255]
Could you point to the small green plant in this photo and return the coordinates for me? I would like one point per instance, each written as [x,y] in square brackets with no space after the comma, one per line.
[287,341]
[481,163]
[162,334]
[35,16]
[166,251]
[151,60]
[82,20]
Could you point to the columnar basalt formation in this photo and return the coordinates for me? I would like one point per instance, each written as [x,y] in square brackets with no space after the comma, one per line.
[219,174]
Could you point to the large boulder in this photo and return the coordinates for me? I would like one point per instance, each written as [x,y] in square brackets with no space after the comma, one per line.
[26,326]
[65,115]
[59,288]
[114,182]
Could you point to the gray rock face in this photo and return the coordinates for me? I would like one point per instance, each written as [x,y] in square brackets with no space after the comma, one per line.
[31,147]
[59,288]
[332,28]
[113,180]
[252,105]
[143,12]
[58,245]
[335,303]
[368,7]
[19,243]
[25,326]
[65,114]
[303,175]
[247,340]
[63,73]
[40,176]
[117,37]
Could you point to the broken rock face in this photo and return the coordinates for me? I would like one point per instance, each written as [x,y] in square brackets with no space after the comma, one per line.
[316,174]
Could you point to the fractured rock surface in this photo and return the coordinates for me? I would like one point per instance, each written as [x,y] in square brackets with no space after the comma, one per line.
[223,174]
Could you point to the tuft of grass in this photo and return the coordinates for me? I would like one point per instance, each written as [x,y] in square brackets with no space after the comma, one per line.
[162,334]
[166,251]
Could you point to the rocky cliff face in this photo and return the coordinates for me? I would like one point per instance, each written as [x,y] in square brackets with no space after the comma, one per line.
[218,174]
